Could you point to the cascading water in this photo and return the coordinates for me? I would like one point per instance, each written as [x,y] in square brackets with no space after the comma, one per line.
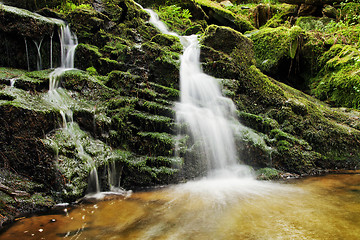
[39,59]
[56,95]
[27,54]
[59,99]
[51,49]
[206,112]
[209,117]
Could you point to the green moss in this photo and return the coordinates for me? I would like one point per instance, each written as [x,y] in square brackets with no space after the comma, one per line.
[224,16]
[169,41]
[339,80]
[268,174]
[122,80]
[158,143]
[282,14]
[272,45]
[315,24]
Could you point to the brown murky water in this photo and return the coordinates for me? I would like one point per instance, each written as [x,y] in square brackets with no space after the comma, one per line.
[325,207]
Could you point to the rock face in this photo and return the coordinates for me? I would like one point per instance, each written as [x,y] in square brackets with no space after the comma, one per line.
[22,33]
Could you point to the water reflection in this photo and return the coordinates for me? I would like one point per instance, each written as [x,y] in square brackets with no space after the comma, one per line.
[313,208]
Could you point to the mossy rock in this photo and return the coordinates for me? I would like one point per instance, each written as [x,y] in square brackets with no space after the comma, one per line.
[30,196]
[26,23]
[87,56]
[85,23]
[283,13]
[272,45]
[225,52]
[164,64]
[339,81]
[215,36]
[268,174]
[123,81]
[221,16]
[168,41]
[21,145]
[144,171]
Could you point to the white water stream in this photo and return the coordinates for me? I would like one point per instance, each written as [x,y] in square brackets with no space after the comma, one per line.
[211,122]
[59,98]
[209,116]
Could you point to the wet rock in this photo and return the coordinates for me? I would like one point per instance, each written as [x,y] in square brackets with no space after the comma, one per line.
[24,35]
[229,41]
[25,23]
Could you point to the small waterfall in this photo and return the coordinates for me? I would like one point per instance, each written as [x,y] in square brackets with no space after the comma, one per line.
[51,50]
[38,48]
[27,54]
[210,117]
[59,99]
[114,176]
[12,82]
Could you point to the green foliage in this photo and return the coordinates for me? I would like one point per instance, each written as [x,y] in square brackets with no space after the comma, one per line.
[268,174]
[92,71]
[350,13]
[318,24]
[69,6]
[175,17]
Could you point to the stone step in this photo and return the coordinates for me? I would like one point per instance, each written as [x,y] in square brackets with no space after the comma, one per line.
[155,144]
[155,108]
[149,122]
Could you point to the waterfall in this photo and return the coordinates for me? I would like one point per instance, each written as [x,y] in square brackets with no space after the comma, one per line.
[27,54]
[206,112]
[39,59]
[57,96]
[59,99]
[209,117]
[12,82]
[51,49]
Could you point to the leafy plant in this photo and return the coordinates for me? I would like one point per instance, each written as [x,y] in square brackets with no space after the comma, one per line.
[69,6]
[175,17]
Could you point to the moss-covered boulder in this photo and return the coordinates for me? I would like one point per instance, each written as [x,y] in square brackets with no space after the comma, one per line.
[231,42]
[289,55]
[273,46]
[164,64]
[221,16]
[339,81]
[21,195]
